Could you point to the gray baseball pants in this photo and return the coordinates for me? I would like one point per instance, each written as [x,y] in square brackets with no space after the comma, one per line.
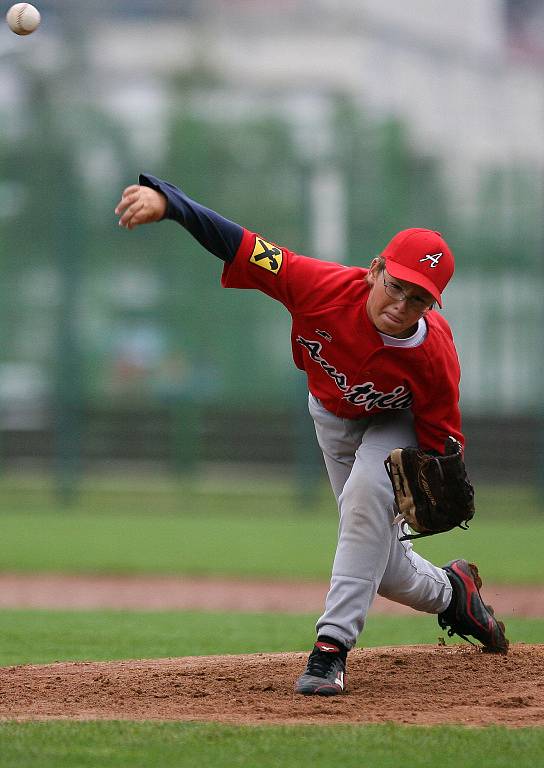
[369,557]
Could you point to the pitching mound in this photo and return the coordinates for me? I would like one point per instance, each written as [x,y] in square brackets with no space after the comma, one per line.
[417,684]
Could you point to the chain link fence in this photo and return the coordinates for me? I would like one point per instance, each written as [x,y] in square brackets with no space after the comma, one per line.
[120,348]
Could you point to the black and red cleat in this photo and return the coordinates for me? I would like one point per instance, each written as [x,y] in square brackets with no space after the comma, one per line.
[325,671]
[467,614]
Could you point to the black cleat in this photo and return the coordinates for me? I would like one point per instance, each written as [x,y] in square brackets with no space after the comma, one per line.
[467,613]
[325,671]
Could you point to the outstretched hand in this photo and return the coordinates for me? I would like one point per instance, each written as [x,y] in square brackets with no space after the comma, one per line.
[140,205]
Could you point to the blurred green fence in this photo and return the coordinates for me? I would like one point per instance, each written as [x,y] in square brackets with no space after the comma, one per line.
[122,347]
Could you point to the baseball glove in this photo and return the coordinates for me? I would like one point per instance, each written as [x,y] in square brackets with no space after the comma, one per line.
[432,493]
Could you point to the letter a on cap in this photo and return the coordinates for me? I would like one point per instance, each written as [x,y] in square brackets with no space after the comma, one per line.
[434,258]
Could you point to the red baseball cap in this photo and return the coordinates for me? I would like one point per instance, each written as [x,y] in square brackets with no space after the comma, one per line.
[422,257]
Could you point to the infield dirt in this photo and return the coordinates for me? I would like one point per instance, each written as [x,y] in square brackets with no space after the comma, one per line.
[417,685]
[423,685]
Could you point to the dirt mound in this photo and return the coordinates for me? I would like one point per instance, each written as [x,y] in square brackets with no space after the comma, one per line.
[418,684]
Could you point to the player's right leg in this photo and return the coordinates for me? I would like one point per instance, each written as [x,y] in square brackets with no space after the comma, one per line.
[411,580]
[467,614]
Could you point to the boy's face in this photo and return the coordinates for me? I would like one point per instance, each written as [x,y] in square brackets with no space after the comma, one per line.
[395,306]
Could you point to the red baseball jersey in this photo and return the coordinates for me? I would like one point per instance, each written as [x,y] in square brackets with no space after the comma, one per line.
[349,368]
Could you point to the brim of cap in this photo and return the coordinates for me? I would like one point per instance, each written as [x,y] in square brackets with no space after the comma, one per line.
[412,276]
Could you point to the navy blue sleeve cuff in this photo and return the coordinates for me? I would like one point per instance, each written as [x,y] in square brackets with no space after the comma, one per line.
[217,234]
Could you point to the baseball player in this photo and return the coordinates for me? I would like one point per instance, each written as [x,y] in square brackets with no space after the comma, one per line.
[382,373]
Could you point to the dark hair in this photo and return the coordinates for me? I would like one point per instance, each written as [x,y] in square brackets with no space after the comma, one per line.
[381,265]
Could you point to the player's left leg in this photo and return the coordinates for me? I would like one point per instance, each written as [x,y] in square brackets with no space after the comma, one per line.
[338,439]
[354,454]
[367,548]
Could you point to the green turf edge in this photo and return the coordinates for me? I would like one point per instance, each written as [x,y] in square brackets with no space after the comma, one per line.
[42,637]
[120,744]
[239,544]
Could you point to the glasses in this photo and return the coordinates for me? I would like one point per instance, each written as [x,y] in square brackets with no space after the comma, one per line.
[394,291]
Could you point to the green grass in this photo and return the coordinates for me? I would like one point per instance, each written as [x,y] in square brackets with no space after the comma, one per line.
[175,529]
[169,527]
[147,525]
[247,493]
[193,745]
[41,637]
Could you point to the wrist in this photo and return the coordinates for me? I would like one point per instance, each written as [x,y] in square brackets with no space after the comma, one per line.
[162,205]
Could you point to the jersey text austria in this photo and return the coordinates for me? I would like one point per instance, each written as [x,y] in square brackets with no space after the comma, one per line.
[349,368]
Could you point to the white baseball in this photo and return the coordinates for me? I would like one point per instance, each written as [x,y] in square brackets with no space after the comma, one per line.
[23,18]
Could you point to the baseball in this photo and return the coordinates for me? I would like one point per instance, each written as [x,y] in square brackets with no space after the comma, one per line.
[23,18]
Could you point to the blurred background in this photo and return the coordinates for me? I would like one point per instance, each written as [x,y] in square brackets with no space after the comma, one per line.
[325,125]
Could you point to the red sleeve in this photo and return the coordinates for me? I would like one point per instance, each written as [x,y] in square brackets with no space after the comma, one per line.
[438,419]
[436,404]
[301,283]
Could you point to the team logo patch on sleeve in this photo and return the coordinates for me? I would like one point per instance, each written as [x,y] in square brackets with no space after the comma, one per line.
[267,256]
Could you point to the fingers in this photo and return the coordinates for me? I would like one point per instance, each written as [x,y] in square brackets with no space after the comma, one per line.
[139,205]
[130,207]
[128,195]
[134,214]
